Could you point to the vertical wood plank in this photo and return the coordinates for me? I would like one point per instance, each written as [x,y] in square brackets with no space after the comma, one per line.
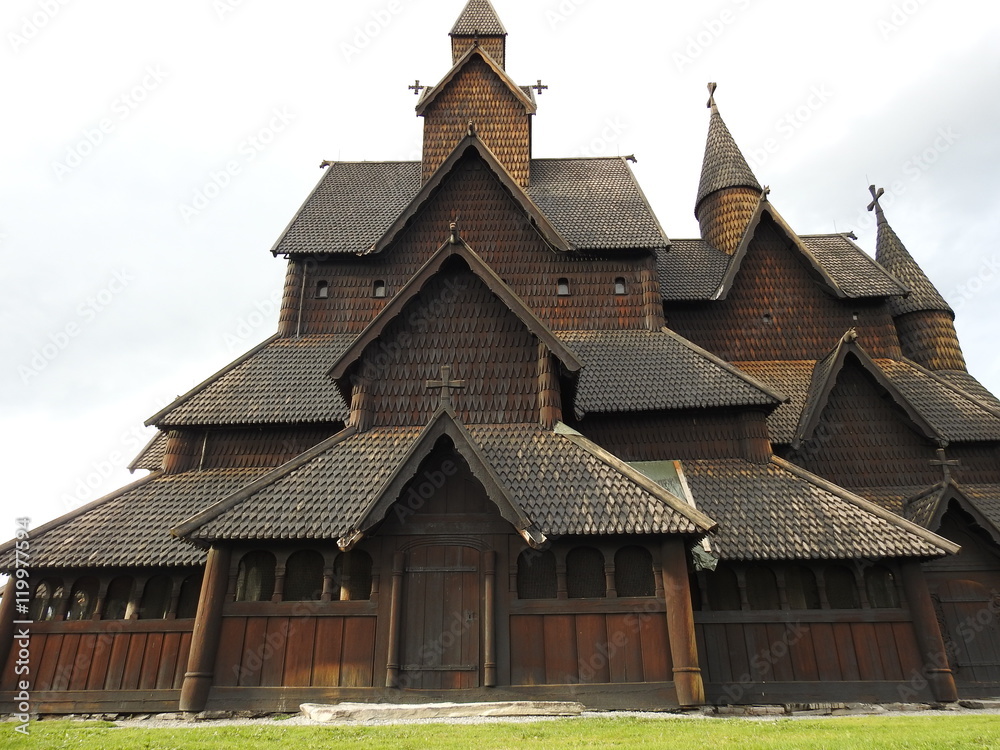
[560,650]
[67,662]
[843,636]
[328,651]
[299,653]
[273,654]
[151,661]
[527,650]
[229,657]
[133,661]
[825,647]
[252,658]
[359,652]
[717,653]
[83,663]
[802,654]
[116,664]
[592,649]
[168,661]
[656,662]
[866,648]
[183,652]
[885,637]
[97,678]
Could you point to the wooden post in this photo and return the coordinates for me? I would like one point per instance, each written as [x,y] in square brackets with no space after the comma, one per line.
[489,621]
[395,615]
[680,625]
[207,630]
[928,632]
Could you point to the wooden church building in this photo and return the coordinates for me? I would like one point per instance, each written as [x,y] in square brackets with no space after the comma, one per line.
[512,442]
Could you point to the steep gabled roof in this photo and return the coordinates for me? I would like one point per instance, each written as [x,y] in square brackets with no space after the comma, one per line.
[457,249]
[433,92]
[478,18]
[893,255]
[928,507]
[825,379]
[627,371]
[150,458]
[723,165]
[342,487]
[779,511]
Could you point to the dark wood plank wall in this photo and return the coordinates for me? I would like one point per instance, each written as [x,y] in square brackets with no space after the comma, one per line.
[504,238]
[805,321]
[253,447]
[108,656]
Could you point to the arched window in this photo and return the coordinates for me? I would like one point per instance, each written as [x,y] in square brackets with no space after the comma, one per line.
[304,576]
[155,601]
[116,599]
[322,290]
[620,286]
[585,574]
[841,588]
[634,572]
[562,287]
[723,589]
[83,599]
[187,600]
[881,588]
[536,574]
[255,580]
[46,601]
[379,290]
[353,572]
[762,588]
[801,588]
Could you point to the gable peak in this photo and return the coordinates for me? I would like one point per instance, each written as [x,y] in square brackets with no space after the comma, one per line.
[479,25]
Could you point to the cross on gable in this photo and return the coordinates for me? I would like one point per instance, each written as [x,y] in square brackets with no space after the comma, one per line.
[711,95]
[539,87]
[416,88]
[945,464]
[876,195]
[446,384]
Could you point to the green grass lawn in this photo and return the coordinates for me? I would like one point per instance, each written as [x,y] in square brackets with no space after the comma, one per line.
[863,733]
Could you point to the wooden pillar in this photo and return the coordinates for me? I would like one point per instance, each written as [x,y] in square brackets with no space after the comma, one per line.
[395,617]
[928,632]
[680,625]
[207,630]
[489,621]
[7,620]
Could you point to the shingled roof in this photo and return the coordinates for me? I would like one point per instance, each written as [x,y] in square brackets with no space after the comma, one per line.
[893,255]
[778,511]
[479,17]
[150,458]
[693,270]
[723,165]
[561,482]
[355,203]
[131,527]
[284,380]
[643,370]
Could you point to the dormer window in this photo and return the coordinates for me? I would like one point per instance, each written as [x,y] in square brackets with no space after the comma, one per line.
[322,290]
[378,290]
[620,286]
[563,288]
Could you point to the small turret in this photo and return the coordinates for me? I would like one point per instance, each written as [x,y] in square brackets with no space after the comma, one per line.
[479,24]
[924,321]
[728,193]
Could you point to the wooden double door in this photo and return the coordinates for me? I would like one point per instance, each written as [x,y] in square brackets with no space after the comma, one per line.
[446,627]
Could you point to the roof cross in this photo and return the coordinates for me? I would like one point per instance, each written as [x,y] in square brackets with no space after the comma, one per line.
[416,88]
[876,195]
[446,384]
[711,95]
[945,464]
[539,87]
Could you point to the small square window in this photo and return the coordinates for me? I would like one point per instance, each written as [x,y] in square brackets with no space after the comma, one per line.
[378,290]
[620,286]
[563,287]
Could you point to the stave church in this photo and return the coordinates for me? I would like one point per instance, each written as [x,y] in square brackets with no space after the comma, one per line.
[512,442]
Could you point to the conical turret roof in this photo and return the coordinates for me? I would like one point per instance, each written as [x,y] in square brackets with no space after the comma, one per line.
[896,259]
[479,17]
[724,165]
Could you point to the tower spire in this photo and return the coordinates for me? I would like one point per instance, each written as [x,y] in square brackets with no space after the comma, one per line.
[728,192]
[924,320]
[479,25]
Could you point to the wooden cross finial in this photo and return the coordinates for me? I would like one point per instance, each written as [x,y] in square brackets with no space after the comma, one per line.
[447,385]
[539,87]
[876,195]
[945,464]
[711,95]
[416,88]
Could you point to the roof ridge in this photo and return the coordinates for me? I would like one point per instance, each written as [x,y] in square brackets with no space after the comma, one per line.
[478,18]
[992,410]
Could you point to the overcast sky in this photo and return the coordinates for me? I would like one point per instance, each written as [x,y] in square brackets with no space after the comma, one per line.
[154,151]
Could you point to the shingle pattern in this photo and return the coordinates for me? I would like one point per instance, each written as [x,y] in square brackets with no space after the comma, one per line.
[890,498]
[593,203]
[987,500]
[765,512]
[561,487]
[856,272]
[723,165]
[284,382]
[791,378]
[151,457]
[645,370]
[922,505]
[968,383]
[894,257]
[478,17]
[132,528]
